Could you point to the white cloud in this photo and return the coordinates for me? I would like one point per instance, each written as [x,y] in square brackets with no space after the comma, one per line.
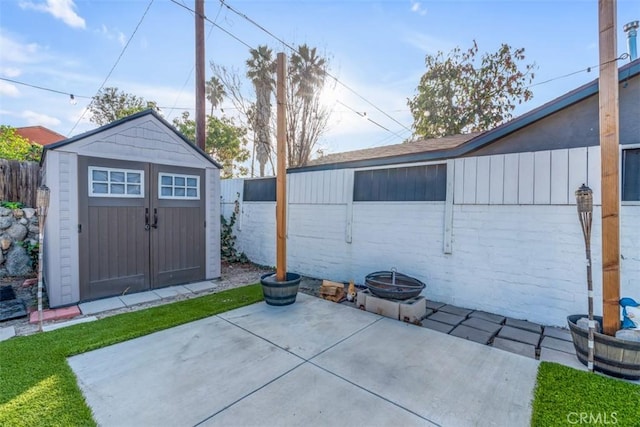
[13,51]
[35,119]
[10,71]
[63,10]
[416,7]
[7,89]
[112,34]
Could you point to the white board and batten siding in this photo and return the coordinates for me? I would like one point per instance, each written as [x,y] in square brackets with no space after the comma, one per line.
[532,178]
[506,240]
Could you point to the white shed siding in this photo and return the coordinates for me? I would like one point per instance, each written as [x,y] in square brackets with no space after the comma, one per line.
[61,234]
[141,139]
[517,249]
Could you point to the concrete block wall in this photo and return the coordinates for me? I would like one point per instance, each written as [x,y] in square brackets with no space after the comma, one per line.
[525,261]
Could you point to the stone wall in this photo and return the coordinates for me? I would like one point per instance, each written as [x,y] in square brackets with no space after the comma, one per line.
[18,228]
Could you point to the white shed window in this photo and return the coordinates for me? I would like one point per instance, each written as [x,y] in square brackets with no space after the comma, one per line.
[175,186]
[109,182]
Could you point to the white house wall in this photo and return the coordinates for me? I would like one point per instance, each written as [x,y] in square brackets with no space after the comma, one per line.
[516,243]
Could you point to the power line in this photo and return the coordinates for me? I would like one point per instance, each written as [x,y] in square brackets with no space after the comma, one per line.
[292,49]
[124,48]
[244,16]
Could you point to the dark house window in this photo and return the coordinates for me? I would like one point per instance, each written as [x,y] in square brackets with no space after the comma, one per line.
[415,183]
[631,174]
[259,190]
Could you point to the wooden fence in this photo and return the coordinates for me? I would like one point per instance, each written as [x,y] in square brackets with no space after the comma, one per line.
[19,181]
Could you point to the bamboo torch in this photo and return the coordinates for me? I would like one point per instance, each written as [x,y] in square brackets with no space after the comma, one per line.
[584,202]
[42,204]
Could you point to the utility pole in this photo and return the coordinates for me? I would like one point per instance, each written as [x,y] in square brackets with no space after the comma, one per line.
[609,154]
[200,98]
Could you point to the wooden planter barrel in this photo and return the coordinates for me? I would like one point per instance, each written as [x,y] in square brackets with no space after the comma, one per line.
[612,356]
[280,293]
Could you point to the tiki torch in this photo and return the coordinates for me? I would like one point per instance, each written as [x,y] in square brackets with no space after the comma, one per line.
[42,204]
[584,202]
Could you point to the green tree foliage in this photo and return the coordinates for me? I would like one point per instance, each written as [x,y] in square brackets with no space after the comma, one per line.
[461,93]
[15,147]
[215,92]
[110,104]
[225,142]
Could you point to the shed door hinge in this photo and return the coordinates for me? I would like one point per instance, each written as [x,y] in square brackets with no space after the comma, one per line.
[79,228]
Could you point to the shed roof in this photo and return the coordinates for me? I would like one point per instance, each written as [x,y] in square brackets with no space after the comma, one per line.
[39,135]
[132,117]
[457,145]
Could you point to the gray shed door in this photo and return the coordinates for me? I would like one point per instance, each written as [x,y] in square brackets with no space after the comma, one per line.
[141,226]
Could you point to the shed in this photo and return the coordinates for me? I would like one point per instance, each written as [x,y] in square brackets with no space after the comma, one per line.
[488,221]
[134,206]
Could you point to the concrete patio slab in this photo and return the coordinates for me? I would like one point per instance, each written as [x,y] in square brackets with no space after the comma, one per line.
[330,401]
[98,306]
[451,319]
[445,328]
[139,298]
[516,347]
[483,325]
[524,324]
[521,335]
[207,285]
[54,326]
[488,316]
[171,291]
[305,328]
[458,311]
[7,332]
[461,383]
[558,344]
[563,334]
[472,334]
[311,363]
[179,376]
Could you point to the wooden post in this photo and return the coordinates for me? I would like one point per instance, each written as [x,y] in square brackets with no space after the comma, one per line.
[281,174]
[608,103]
[200,98]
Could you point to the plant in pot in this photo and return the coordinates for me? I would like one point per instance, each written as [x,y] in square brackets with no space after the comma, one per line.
[281,288]
[598,351]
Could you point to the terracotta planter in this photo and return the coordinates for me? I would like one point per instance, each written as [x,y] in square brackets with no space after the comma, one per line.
[280,293]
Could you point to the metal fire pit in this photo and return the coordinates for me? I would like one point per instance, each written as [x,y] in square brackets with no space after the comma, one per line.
[393,285]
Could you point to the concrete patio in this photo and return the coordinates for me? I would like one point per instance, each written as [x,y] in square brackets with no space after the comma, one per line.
[311,363]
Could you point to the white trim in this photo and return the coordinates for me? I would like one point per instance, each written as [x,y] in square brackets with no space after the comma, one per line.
[109,170]
[399,165]
[173,186]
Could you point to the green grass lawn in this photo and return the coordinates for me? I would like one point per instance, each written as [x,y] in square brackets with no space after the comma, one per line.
[37,386]
[565,397]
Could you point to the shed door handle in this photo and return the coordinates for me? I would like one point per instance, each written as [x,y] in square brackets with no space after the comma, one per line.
[155,218]
[146,219]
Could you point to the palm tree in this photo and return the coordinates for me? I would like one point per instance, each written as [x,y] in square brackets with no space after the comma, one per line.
[260,70]
[307,77]
[215,92]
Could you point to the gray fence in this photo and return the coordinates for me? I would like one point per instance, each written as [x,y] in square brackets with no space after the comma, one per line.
[19,181]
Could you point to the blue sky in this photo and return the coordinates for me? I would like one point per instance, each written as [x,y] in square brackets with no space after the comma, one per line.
[377,48]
